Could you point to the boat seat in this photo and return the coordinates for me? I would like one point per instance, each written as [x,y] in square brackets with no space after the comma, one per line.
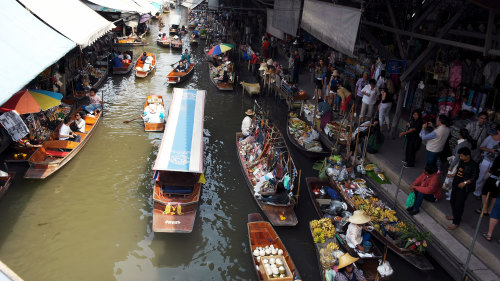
[56,153]
[88,127]
[56,144]
[177,189]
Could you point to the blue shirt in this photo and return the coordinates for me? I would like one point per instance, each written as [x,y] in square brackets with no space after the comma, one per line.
[427,136]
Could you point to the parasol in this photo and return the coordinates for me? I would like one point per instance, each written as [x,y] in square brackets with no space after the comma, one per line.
[219,49]
[144,18]
[32,101]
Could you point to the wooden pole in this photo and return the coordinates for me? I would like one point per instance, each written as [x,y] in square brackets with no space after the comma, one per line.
[298,189]
[365,146]
[353,109]
[357,140]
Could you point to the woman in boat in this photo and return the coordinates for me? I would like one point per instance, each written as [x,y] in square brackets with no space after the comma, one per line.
[354,235]
[79,123]
[248,123]
[96,103]
[347,271]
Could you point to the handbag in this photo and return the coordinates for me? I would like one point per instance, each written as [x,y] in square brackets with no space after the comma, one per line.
[410,201]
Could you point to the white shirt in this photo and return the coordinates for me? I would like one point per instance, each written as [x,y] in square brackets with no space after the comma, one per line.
[246,125]
[353,234]
[380,84]
[372,94]
[80,124]
[64,131]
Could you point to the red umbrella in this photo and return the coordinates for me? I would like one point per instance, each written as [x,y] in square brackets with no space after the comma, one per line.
[31,101]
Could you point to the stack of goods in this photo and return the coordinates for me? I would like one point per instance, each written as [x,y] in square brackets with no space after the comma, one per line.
[333,129]
[376,174]
[260,174]
[271,263]
[324,236]
[304,135]
[358,187]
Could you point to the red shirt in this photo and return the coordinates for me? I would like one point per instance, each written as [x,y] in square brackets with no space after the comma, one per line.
[265,45]
[428,185]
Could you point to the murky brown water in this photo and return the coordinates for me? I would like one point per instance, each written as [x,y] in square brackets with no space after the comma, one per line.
[92,219]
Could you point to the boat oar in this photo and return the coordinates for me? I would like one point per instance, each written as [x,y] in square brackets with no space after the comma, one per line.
[128,121]
[174,63]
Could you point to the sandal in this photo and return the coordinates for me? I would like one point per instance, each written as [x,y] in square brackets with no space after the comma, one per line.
[478,211]
[488,237]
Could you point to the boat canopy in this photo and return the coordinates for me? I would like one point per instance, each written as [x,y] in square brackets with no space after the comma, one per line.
[175,20]
[23,32]
[181,148]
[71,18]
[117,5]
[191,4]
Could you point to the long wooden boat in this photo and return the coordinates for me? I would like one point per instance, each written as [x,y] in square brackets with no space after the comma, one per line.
[176,43]
[277,214]
[176,77]
[157,100]
[367,264]
[262,234]
[5,183]
[100,81]
[165,43]
[55,153]
[139,66]
[127,67]
[129,41]
[420,261]
[222,86]
[311,154]
[178,170]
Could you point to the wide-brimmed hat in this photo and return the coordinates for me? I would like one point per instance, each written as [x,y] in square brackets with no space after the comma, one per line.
[176,37]
[263,66]
[249,112]
[359,217]
[335,73]
[270,62]
[346,260]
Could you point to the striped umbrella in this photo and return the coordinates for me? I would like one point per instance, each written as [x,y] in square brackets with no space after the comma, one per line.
[219,49]
[32,101]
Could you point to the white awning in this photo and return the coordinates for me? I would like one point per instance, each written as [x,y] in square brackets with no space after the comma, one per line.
[191,4]
[71,18]
[148,6]
[29,47]
[120,5]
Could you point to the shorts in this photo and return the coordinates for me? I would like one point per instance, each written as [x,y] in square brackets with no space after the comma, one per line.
[319,83]
[495,213]
[491,186]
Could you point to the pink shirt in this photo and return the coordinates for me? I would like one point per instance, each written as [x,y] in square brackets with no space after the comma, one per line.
[94,99]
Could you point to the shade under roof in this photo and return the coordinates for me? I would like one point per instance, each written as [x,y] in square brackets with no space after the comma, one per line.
[29,47]
[71,18]
[120,5]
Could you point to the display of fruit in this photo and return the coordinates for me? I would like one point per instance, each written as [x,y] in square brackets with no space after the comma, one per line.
[332,246]
[326,226]
[374,208]
[318,236]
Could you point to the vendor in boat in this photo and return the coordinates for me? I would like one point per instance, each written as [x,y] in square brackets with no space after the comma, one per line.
[126,58]
[65,132]
[96,103]
[347,271]
[181,67]
[117,61]
[26,142]
[153,113]
[186,57]
[144,57]
[355,236]
[248,123]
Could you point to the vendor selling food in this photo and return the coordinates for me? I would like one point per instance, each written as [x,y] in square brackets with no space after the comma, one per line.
[347,271]
[248,123]
[354,235]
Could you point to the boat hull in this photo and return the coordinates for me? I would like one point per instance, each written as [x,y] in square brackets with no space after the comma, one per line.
[179,77]
[8,181]
[307,153]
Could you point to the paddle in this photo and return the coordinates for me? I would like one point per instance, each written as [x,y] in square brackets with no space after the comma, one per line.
[128,121]
[175,63]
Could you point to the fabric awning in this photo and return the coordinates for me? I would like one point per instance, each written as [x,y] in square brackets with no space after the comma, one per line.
[29,47]
[148,6]
[71,18]
[119,5]
[191,4]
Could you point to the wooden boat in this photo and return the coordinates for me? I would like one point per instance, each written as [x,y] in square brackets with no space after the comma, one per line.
[223,86]
[417,260]
[55,153]
[5,183]
[311,154]
[165,43]
[367,264]
[126,67]
[139,66]
[261,234]
[277,214]
[175,22]
[176,43]
[129,41]
[193,42]
[178,170]
[175,77]
[102,78]
[158,126]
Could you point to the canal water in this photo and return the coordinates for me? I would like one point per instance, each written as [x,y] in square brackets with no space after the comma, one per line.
[92,219]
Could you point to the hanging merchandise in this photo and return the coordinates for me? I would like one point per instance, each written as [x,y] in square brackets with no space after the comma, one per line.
[446,101]
[455,74]
[418,99]
[14,125]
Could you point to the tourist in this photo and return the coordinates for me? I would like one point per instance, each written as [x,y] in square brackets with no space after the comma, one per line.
[427,186]
[96,103]
[334,87]
[413,139]
[436,139]
[79,123]
[491,187]
[345,97]
[65,132]
[490,150]
[478,131]
[385,108]
[265,48]
[463,183]
[464,140]
[354,234]
[381,81]
[180,67]
[369,93]
[494,216]
[248,123]
[318,80]
[186,57]
[347,271]
[360,84]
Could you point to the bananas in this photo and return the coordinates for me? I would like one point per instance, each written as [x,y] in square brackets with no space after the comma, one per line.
[325,225]
[374,208]
[332,246]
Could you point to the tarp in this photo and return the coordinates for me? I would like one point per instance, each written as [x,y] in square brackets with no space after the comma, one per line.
[339,31]
[286,15]
[71,18]
[270,29]
[191,4]
[119,5]
[181,146]
[29,47]
[213,4]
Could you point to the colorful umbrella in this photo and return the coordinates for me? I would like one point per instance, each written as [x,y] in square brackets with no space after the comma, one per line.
[219,49]
[32,101]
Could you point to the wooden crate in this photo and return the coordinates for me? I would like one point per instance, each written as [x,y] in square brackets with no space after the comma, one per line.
[265,274]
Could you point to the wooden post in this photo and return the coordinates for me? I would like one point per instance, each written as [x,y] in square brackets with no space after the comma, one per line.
[298,189]
[357,140]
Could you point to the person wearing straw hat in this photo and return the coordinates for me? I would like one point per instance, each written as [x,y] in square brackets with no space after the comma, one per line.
[247,124]
[347,271]
[354,234]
